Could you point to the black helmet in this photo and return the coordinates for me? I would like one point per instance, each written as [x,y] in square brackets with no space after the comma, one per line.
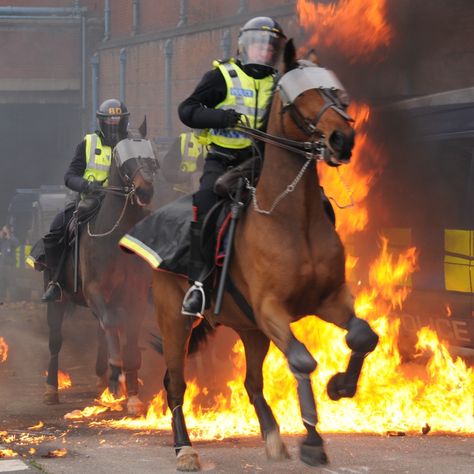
[261,42]
[112,118]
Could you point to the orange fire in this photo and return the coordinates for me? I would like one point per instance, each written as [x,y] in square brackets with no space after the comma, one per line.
[64,380]
[106,402]
[3,350]
[357,28]
[7,453]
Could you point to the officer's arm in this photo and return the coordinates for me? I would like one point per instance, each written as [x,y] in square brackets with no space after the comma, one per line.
[73,178]
[197,111]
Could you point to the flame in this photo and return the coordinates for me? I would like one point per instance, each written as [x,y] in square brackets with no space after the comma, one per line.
[449,312]
[7,453]
[64,380]
[37,426]
[106,402]
[357,28]
[56,453]
[3,350]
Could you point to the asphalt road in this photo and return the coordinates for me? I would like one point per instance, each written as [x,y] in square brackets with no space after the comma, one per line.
[104,450]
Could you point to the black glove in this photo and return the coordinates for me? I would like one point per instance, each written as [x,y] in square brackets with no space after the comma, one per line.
[93,187]
[231,117]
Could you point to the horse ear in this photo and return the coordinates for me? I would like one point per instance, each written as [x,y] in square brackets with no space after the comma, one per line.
[289,56]
[142,128]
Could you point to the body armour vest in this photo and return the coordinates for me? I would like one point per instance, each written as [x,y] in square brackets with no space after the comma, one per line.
[247,96]
[98,159]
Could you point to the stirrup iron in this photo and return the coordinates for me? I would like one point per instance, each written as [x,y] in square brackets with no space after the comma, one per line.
[197,286]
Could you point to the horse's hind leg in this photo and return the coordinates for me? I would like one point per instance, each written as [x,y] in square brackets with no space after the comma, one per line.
[101,363]
[256,347]
[54,314]
[132,360]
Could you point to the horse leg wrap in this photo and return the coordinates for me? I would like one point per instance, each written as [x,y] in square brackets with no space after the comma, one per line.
[131,382]
[302,364]
[180,432]
[360,336]
[265,416]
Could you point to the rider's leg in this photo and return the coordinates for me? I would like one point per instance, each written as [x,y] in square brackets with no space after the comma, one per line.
[55,252]
[200,273]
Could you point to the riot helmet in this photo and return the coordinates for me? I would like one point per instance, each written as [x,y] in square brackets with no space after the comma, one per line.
[112,118]
[260,44]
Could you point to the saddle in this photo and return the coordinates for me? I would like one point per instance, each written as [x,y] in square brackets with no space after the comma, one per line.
[86,209]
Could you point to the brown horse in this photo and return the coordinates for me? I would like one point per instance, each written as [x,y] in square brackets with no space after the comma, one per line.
[113,285]
[288,262]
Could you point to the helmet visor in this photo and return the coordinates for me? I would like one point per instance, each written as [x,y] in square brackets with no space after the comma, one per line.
[260,47]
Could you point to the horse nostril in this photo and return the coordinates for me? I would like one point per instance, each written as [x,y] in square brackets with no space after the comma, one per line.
[341,143]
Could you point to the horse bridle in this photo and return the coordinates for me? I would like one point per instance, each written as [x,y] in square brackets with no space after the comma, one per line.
[290,86]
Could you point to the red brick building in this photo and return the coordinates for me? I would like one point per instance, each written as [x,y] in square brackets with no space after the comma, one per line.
[60,58]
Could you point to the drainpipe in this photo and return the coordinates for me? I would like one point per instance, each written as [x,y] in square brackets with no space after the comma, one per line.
[243,4]
[95,89]
[225,44]
[136,17]
[123,71]
[168,91]
[107,14]
[83,61]
[183,13]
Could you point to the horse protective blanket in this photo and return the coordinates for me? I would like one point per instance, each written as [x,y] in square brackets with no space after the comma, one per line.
[162,238]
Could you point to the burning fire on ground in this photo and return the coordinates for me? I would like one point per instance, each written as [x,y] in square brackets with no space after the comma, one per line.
[3,350]
[64,380]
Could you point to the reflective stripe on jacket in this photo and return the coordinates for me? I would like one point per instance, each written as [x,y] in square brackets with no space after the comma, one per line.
[98,159]
[247,96]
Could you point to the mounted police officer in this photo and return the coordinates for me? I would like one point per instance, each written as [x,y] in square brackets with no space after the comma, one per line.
[87,173]
[235,90]
[183,161]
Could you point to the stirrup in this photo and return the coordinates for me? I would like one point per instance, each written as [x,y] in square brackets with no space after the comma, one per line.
[50,287]
[197,286]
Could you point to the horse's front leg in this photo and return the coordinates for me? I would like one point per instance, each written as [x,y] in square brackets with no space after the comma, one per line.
[175,331]
[275,322]
[256,347]
[55,315]
[362,340]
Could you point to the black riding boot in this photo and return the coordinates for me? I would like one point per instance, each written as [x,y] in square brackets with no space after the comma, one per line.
[197,299]
[53,253]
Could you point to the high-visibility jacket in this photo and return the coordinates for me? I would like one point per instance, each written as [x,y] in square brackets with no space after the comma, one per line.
[247,96]
[191,150]
[98,159]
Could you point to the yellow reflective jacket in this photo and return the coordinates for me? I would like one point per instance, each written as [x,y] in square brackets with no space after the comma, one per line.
[98,159]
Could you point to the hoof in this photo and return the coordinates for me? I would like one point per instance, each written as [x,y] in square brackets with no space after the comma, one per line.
[188,460]
[135,407]
[101,383]
[51,395]
[335,387]
[313,455]
[274,447]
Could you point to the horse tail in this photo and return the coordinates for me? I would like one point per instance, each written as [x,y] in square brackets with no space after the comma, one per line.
[197,341]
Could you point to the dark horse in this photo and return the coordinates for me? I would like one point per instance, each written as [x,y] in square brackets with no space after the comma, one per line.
[288,262]
[112,284]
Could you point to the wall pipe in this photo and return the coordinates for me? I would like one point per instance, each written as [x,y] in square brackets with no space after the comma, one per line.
[183,13]
[123,72]
[45,11]
[135,17]
[168,91]
[95,89]
[107,15]
[226,44]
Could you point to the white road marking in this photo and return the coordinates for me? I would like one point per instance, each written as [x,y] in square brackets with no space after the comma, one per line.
[9,465]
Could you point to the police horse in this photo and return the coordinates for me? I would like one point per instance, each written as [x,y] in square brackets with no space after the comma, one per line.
[112,284]
[287,262]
